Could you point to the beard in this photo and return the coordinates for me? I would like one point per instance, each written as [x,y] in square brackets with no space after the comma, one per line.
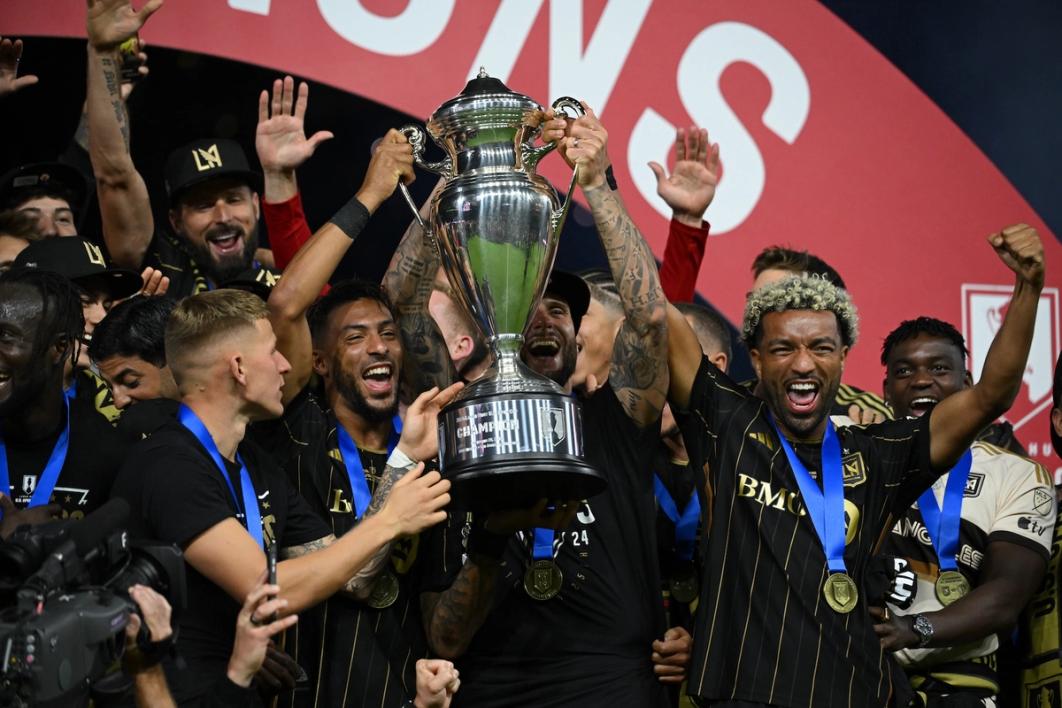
[347,387]
[569,356]
[225,268]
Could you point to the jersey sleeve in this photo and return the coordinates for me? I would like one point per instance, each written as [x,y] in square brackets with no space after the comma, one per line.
[1026,507]
[715,400]
[287,227]
[683,255]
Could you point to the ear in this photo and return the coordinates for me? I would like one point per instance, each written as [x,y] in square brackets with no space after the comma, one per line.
[256,205]
[238,369]
[462,347]
[1056,422]
[175,219]
[844,355]
[720,361]
[320,363]
[967,379]
[757,365]
[60,349]
[885,389]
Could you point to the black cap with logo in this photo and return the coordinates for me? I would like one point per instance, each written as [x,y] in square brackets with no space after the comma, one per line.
[82,262]
[48,177]
[256,280]
[573,290]
[207,159]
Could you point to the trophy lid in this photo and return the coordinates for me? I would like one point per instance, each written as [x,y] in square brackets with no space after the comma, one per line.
[484,103]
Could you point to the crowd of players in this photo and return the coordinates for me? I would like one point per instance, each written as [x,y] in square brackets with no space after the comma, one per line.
[787,541]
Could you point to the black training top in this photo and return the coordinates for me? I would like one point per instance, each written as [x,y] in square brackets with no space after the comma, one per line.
[590,645]
[94,454]
[355,655]
[175,493]
[764,632]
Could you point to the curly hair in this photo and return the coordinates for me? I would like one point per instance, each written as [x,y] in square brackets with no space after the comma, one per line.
[800,292]
[909,329]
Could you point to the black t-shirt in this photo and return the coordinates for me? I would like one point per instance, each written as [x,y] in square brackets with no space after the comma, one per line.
[764,632]
[94,454]
[591,644]
[354,654]
[143,418]
[175,493]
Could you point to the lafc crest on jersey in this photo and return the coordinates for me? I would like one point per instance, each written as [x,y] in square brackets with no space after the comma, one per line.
[855,470]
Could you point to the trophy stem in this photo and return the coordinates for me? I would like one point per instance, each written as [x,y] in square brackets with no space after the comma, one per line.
[506,348]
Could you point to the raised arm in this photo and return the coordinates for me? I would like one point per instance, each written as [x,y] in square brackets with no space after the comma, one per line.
[957,420]
[689,191]
[315,262]
[408,282]
[683,358]
[282,146]
[639,357]
[128,224]
[10,81]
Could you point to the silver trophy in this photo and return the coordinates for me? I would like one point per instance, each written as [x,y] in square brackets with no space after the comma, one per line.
[513,436]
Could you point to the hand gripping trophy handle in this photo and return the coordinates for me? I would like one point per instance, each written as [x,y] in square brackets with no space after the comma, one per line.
[415,135]
[531,155]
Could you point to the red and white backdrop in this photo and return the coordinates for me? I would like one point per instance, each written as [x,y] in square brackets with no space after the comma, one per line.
[826,145]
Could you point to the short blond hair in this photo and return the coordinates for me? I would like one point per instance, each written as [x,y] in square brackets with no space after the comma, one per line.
[800,292]
[200,321]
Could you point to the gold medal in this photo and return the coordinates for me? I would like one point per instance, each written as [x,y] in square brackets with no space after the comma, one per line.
[543,580]
[841,593]
[950,586]
[384,590]
[683,585]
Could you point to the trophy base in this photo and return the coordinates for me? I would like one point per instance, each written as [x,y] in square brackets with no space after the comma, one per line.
[508,450]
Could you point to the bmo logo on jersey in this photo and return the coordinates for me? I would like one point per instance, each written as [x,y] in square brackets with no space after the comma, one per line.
[983,310]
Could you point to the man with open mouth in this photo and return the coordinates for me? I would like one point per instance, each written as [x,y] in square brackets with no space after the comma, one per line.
[970,554]
[797,505]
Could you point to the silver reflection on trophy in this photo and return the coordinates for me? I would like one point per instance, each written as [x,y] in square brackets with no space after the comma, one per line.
[513,436]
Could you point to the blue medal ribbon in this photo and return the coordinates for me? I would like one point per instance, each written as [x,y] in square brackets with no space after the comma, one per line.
[825,506]
[71,391]
[46,482]
[685,523]
[543,548]
[942,525]
[359,486]
[252,517]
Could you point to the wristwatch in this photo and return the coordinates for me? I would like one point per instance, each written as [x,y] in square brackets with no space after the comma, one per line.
[924,629]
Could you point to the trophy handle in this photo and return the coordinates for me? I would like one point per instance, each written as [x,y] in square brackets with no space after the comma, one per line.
[415,135]
[558,216]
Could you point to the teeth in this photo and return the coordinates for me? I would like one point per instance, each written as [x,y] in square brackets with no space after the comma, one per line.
[4,377]
[803,387]
[924,399]
[379,371]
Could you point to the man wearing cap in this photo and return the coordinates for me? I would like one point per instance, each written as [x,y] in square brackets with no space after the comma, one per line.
[212,190]
[17,230]
[54,456]
[588,640]
[99,286]
[51,193]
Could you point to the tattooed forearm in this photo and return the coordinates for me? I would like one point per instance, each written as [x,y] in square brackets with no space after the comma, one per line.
[453,617]
[81,135]
[297,551]
[639,359]
[112,79]
[360,585]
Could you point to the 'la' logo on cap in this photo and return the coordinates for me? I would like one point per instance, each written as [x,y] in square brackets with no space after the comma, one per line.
[95,255]
[206,159]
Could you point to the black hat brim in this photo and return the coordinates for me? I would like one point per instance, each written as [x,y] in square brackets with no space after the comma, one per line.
[251,178]
[116,282]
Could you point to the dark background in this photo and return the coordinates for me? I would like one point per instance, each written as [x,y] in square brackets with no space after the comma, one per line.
[994,68]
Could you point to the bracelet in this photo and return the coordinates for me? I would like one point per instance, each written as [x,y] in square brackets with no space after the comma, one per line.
[611,179]
[351,218]
[483,542]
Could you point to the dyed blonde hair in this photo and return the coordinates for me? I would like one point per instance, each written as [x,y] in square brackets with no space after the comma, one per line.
[801,292]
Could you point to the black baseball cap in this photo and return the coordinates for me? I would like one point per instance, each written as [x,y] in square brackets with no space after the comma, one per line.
[82,262]
[255,280]
[63,180]
[207,159]
[573,290]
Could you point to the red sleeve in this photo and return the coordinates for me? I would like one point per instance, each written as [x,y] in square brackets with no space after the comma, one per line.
[287,228]
[682,260]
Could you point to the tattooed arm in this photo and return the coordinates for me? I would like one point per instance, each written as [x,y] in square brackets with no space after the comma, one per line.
[451,618]
[408,282]
[128,224]
[638,374]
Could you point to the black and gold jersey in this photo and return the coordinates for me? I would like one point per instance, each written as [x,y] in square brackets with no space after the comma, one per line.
[763,630]
[355,655]
[847,396]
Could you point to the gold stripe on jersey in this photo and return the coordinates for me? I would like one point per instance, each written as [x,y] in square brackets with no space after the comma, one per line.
[849,395]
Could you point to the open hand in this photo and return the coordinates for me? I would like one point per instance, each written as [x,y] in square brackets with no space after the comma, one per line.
[420,426]
[111,22]
[10,81]
[690,187]
[280,138]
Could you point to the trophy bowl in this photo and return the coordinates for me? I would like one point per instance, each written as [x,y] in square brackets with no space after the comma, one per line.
[513,436]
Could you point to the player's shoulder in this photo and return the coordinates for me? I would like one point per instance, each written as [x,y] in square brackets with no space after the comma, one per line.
[1010,466]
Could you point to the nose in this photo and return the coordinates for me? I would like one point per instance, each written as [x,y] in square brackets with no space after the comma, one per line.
[121,399]
[283,366]
[921,378]
[46,225]
[221,213]
[94,314]
[803,363]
